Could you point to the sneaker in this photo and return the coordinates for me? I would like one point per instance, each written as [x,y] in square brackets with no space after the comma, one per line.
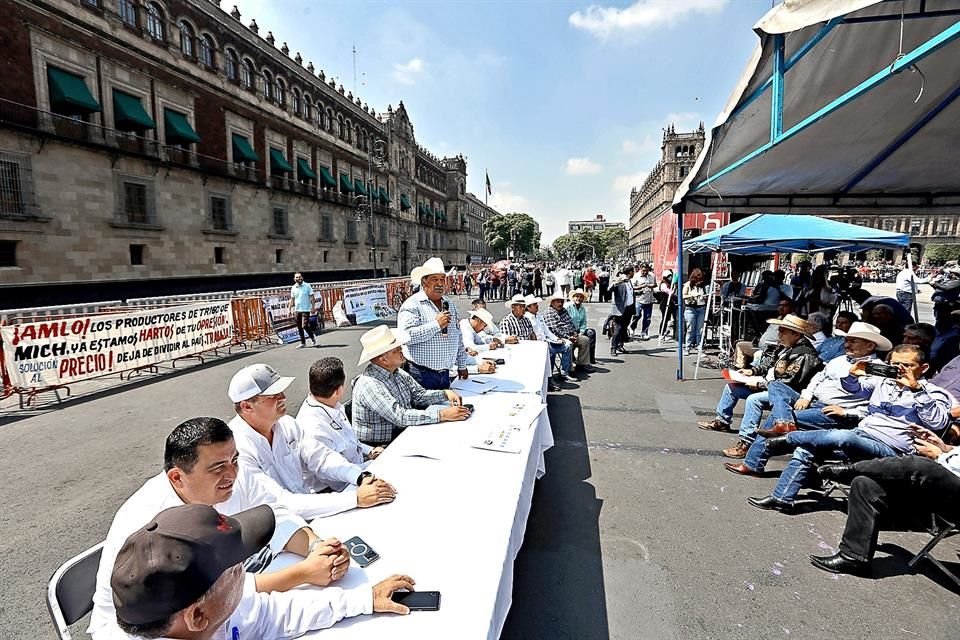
[644,336]
[315,343]
[302,345]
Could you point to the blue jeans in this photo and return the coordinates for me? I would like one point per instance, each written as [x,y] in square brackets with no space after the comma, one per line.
[815,445]
[752,411]
[428,378]
[644,312]
[693,317]
[728,400]
[566,355]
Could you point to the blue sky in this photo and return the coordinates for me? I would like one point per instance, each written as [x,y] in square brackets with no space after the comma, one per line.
[562,102]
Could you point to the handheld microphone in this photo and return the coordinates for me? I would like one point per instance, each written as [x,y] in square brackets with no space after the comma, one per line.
[446,307]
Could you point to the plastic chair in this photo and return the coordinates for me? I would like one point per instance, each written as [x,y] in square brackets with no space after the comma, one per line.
[70,590]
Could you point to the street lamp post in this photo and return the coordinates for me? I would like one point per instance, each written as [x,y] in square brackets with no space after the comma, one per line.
[513,244]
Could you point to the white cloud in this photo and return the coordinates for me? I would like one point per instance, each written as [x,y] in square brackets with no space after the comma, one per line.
[623,184]
[506,201]
[604,22]
[632,147]
[409,72]
[581,167]
[684,121]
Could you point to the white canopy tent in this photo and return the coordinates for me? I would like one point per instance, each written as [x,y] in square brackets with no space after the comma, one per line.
[846,106]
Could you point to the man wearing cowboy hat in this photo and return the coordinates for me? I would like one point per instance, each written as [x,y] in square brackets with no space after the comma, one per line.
[794,362]
[516,324]
[578,315]
[823,404]
[387,399]
[274,451]
[896,407]
[474,332]
[431,321]
[559,322]
[558,346]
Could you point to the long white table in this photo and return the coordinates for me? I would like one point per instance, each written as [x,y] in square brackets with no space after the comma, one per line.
[458,521]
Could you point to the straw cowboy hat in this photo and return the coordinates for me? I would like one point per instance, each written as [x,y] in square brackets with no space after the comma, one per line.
[483,316]
[866,331]
[794,323]
[578,292]
[379,340]
[433,266]
[517,299]
[529,300]
[553,296]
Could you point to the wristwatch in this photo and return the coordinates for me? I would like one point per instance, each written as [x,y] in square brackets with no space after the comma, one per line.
[365,474]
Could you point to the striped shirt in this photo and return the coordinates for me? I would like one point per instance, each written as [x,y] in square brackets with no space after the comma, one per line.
[511,325]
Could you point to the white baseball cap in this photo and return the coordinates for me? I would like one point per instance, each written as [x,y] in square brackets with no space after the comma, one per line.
[256,380]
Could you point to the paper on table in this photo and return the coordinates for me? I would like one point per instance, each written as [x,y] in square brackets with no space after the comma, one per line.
[473,385]
[506,440]
[733,375]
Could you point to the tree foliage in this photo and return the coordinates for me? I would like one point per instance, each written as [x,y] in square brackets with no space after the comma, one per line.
[516,231]
[940,253]
[608,243]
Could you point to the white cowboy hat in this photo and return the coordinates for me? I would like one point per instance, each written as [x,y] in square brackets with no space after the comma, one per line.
[794,323]
[433,266]
[578,292]
[529,300]
[866,331]
[483,316]
[517,299]
[379,340]
[553,296]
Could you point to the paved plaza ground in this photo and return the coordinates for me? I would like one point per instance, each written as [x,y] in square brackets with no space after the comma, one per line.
[636,532]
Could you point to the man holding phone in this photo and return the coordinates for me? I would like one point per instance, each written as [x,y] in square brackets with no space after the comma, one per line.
[885,431]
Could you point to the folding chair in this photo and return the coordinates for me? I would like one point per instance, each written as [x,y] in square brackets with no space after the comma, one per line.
[940,528]
[70,590]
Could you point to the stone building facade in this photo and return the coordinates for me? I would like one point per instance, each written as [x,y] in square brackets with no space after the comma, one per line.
[597,224]
[678,152]
[478,251]
[151,147]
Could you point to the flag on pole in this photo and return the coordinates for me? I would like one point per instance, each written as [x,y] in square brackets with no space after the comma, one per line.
[489,188]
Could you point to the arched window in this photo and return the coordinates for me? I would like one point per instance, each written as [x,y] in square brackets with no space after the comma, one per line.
[207,48]
[155,27]
[677,152]
[128,12]
[232,66]
[186,39]
[329,122]
[340,129]
[307,108]
[296,101]
[281,93]
[246,75]
[268,85]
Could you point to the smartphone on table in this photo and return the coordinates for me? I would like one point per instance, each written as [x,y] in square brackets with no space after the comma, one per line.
[418,600]
[360,552]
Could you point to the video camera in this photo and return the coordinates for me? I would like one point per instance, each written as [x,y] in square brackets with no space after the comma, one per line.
[845,281]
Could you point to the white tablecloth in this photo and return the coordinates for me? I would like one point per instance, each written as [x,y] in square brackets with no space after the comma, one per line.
[527,368]
[457,523]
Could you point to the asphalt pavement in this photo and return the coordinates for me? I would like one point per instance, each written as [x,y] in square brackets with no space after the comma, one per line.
[636,532]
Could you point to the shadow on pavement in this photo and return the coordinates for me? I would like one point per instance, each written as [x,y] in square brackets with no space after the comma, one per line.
[558,589]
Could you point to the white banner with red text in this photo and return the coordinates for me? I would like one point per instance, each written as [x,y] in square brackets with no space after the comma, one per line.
[53,352]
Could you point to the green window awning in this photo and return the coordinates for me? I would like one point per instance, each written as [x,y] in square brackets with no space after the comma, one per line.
[177,128]
[279,164]
[422,210]
[405,202]
[437,214]
[304,170]
[242,151]
[129,114]
[346,184]
[69,93]
[384,196]
[359,187]
[327,178]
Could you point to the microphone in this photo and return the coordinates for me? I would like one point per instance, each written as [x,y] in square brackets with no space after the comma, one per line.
[446,307]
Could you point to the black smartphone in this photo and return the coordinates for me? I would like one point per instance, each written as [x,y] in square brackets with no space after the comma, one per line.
[360,552]
[418,600]
[500,361]
[883,370]
[468,407]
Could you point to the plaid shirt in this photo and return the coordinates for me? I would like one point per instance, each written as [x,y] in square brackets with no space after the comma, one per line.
[428,347]
[559,322]
[385,403]
[511,325]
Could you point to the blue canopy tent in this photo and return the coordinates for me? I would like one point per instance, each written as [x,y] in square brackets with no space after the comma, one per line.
[787,233]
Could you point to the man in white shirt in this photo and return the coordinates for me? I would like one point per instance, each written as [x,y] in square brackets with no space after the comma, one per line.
[562,277]
[907,282]
[275,451]
[322,416]
[181,577]
[476,339]
[200,467]
[557,345]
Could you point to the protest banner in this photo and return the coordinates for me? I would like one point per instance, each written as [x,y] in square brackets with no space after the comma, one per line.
[367,303]
[56,352]
[284,321]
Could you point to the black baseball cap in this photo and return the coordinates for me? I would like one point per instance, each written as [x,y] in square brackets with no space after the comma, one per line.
[172,561]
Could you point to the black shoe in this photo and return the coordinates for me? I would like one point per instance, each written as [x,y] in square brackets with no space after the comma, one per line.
[778,446]
[770,504]
[552,387]
[586,368]
[839,563]
[844,473]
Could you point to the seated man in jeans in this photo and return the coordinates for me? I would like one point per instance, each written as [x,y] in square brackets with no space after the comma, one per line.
[884,432]
[793,363]
[824,404]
